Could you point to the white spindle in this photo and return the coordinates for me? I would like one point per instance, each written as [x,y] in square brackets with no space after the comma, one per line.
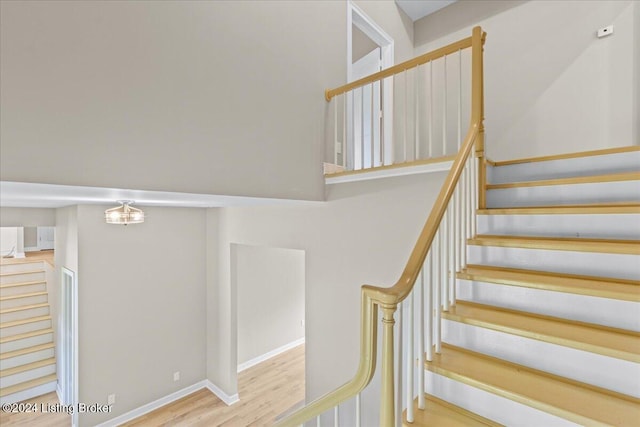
[358,410]
[430,109]
[452,249]
[362,127]
[382,123]
[444,111]
[459,98]
[436,294]
[335,132]
[410,361]
[318,421]
[406,113]
[456,220]
[372,138]
[336,416]
[400,365]
[352,127]
[429,302]
[416,128]
[444,296]
[421,327]
[474,193]
[344,130]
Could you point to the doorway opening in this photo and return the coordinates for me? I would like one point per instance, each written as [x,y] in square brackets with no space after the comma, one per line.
[369,108]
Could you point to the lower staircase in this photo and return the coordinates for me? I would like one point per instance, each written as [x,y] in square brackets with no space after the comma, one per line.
[545,326]
[27,362]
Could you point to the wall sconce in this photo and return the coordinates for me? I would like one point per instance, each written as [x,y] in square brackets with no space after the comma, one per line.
[124,214]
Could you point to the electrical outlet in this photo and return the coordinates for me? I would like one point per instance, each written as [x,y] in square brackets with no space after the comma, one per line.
[176,376]
[111,399]
[605,31]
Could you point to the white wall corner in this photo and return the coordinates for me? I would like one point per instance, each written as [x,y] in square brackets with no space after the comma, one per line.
[226,398]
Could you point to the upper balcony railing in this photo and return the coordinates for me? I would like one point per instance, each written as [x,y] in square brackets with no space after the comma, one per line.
[427,284]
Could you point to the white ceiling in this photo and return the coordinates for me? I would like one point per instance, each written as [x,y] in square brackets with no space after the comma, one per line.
[417,9]
[27,195]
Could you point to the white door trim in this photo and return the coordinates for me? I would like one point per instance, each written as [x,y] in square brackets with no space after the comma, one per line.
[73,308]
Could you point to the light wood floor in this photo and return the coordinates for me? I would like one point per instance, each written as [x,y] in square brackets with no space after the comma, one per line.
[30,257]
[266,391]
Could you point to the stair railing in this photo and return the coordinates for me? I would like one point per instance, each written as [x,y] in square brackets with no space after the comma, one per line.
[436,257]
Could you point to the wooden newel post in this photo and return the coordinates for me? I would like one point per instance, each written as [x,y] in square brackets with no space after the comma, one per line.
[387,409]
[477,95]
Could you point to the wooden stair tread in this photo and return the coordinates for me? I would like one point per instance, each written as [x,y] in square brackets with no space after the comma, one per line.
[629,247]
[626,290]
[606,341]
[26,335]
[611,177]
[27,384]
[587,209]
[27,367]
[23,307]
[438,412]
[577,402]
[35,282]
[31,294]
[27,350]
[24,321]
[17,273]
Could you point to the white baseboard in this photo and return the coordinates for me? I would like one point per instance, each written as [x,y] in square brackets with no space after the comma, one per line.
[269,355]
[226,398]
[31,249]
[20,255]
[152,406]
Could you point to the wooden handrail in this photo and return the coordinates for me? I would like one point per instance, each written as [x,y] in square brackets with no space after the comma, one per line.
[387,299]
[407,65]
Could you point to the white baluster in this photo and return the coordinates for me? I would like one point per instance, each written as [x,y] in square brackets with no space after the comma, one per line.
[421,327]
[362,128]
[382,123]
[429,302]
[474,194]
[410,359]
[406,114]
[358,410]
[444,111]
[372,138]
[318,421]
[416,128]
[437,285]
[430,109]
[344,130]
[444,296]
[400,367]
[459,98]
[335,131]
[457,228]
[336,416]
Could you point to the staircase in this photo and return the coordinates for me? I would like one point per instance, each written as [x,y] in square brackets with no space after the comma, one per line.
[545,328]
[27,362]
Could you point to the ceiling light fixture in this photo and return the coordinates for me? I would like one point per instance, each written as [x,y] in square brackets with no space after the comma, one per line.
[124,214]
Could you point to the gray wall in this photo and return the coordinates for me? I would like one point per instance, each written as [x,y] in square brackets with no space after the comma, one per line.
[26,217]
[551,86]
[142,306]
[362,234]
[361,44]
[269,286]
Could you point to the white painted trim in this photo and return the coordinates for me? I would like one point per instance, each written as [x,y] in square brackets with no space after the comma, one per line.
[389,173]
[226,398]
[19,255]
[31,249]
[58,390]
[152,406]
[270,354]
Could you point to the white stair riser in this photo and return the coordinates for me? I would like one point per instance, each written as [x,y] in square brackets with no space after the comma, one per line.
[619,226]
[30,393]
[565,168]
[18,302]
[24,289]
[584,263]
[27,342]
[591,368]
[489,405]
[23,266]
[599,192]
[25,314]
[27,327]
[23,359]
[21,377]
[601,311]
[18,278]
